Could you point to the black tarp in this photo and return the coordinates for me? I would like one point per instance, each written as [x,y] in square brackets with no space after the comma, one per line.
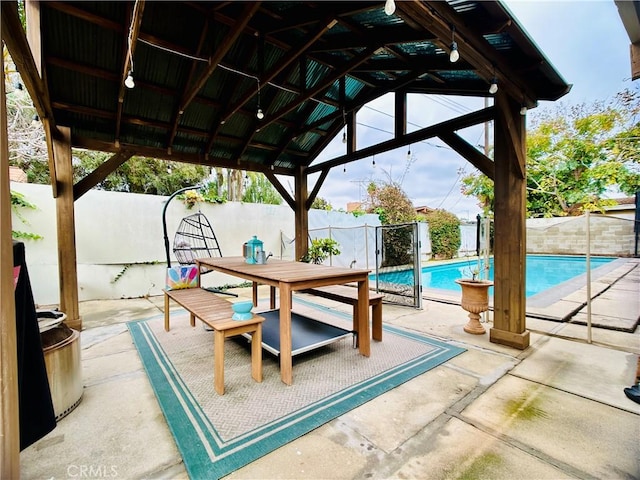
[37,417]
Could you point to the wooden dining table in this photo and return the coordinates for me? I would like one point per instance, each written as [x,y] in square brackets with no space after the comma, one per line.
[289,276]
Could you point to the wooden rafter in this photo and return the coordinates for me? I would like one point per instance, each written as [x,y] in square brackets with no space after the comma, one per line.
[291,56]
[127,65]
[316,188]
[221,51]
[280,188]
[439,17]
[452,125]
[99,174]
[326,83]
[14,37]
[177,114]
[469,153]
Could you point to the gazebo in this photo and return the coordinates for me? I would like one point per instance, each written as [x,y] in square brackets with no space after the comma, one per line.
[264,87]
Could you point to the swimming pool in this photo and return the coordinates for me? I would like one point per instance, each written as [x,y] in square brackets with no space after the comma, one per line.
[542,272]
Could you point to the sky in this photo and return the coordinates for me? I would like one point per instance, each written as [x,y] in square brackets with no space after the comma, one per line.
[584,40]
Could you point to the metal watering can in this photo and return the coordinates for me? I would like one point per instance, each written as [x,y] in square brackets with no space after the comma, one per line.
[253,251]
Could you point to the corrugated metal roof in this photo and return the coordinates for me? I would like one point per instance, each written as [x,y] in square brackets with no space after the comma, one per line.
[305,91]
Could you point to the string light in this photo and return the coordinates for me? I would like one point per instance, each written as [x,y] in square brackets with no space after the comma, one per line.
[259,113]
[454,55]
[373,163]
[493,88]
[409,153]
[344,124]
[129,83]
[389,7]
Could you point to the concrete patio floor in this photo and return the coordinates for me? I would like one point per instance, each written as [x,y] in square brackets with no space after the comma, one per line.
[555,410]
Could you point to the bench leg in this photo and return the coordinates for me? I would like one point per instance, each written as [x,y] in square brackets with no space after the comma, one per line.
[377,321]
[166,312]
[256,354]
[218,362]
[192,319]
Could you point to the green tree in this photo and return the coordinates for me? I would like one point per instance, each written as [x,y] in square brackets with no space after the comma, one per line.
[576,154]
[390,202]
[258,189]
[320,203]
[392,205]
[140,174]
[444,232]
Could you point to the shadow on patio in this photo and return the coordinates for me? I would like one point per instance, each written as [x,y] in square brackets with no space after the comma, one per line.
[555,410]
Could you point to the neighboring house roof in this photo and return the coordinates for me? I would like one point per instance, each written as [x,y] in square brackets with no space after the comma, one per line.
[16,174]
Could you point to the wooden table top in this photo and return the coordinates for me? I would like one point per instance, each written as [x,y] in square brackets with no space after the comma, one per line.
[284,271]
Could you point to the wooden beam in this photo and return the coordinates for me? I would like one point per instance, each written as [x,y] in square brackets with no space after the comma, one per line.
[328,81]
[280,189]
[400,118]
[131,38]
[67,264]
[161,153]
[509,322]
[48,135]
[177,114]
[221,50]
[301,213]
[9,424]
[15,39]
[292,56]
[316,188]
[458,123]
[32,14]
[512,128]
[634,52]
[439,17]
[469,153]
[99,174]
[361,100]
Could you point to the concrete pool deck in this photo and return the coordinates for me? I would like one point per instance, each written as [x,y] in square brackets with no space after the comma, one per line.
[555,410]
[566,301]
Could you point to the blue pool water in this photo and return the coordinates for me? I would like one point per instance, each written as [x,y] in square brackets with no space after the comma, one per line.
[542,272]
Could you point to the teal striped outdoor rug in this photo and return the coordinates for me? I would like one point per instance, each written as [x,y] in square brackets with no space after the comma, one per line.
[219,434]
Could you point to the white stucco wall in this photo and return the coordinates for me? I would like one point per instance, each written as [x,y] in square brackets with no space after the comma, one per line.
[119,236]
[114,230]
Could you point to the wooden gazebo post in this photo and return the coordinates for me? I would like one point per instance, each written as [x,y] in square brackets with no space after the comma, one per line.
[301,213]
[509,323]
[65,214]
[9,426]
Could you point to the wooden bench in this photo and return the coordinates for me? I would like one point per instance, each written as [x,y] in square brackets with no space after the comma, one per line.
[216,312]
[349,295]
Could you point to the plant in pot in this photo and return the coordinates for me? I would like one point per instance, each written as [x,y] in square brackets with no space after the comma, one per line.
[475,300]
[320,249]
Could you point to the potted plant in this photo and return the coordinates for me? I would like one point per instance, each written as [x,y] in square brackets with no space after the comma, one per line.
[475,300]
[320,249]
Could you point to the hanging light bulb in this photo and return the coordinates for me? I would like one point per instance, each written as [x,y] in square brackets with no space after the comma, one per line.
[373,163]
[259,114]
[129,83]
[454,55]
[523,110]
[344,169]
[493,88]
[389,7]
[344,137]
[409,153]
